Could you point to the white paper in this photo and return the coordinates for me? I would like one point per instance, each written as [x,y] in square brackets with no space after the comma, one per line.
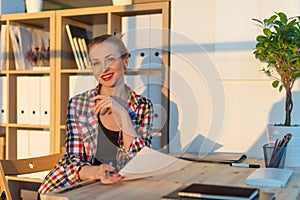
[149,162]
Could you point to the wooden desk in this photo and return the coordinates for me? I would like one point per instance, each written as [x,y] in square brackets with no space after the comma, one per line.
[156,187]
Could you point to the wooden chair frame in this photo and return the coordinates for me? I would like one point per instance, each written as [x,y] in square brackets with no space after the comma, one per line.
[24,166]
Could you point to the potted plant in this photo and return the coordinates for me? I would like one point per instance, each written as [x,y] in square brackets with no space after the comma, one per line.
[279,47]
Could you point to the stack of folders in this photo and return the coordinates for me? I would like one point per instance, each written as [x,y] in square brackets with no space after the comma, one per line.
[78,40]
[207,191]
[33,100]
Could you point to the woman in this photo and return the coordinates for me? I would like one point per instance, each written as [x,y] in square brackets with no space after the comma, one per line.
[104,123]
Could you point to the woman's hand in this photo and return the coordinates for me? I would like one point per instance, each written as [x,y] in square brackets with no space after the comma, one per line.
[100,173]
[105,104]
[108,175]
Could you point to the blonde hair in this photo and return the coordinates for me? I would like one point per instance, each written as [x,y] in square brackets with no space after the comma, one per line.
[114,40]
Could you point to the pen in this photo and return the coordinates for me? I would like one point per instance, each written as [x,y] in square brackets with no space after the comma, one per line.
[244,165]
[108,172]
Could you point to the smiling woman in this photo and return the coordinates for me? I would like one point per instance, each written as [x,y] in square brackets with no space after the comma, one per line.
[106,126]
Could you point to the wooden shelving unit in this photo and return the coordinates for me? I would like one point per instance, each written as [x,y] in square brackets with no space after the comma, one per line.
[97,20]
[101,20]
[44,21]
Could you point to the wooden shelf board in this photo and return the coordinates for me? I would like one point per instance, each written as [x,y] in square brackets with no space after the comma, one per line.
[28,126]
[149,72]
[28,72]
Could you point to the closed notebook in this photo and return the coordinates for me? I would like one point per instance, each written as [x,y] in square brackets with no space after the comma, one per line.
[269,177]
[207,191]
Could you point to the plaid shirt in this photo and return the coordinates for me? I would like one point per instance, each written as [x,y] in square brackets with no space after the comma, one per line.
[82,131]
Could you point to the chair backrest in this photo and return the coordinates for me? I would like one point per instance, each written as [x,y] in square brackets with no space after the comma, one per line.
[25,166]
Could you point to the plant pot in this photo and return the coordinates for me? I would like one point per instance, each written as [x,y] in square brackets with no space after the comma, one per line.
[34,6]
[293,147]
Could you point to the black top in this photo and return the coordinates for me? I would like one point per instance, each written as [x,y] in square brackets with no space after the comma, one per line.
[107,144]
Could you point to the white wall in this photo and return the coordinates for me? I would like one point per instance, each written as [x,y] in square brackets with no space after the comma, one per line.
[215,76]
[12,6]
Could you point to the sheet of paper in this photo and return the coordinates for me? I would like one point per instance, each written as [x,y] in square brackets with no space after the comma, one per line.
[149,162]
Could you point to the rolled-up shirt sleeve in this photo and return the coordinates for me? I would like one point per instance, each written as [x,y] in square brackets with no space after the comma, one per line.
[142,119]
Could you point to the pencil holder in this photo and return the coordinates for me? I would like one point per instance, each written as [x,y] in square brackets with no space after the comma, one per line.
[274,156]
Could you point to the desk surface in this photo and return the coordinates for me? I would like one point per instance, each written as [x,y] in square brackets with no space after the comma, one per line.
[156,187]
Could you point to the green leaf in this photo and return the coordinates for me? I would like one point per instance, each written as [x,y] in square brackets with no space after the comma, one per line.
[271,19]
[280,88]
[272,59]
[285,68]
[291,24]
[283,17]
[275,83]
[267,32]
[295,74]
[261,38]
[258,21]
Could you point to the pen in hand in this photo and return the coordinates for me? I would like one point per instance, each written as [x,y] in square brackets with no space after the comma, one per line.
[244,165]
[108,173]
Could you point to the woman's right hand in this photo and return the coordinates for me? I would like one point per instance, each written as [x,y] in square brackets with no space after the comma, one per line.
[100,173]
[107,174]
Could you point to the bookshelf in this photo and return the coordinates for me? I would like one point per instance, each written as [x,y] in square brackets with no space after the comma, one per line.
[62,66]
[97,21]
[44,21]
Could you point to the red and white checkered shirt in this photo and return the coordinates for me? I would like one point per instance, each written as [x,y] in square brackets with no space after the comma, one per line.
[82,131]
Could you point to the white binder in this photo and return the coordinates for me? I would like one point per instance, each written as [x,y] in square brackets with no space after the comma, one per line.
[33,143]
[22,100]
[76,86]
[39,145]
[143,37]
[22,144]
[136,38]
[2,47]
[34,99]
[3,99]
[45,100]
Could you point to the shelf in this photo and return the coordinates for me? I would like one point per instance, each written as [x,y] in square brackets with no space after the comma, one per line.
[28,126]
[28,72]
[147,72]
[76,71]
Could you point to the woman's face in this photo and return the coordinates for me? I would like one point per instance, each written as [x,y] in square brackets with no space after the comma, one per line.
[107,65]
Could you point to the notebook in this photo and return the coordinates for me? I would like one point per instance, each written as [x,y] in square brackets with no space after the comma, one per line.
[269,177]
[216,157]
[207,191]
